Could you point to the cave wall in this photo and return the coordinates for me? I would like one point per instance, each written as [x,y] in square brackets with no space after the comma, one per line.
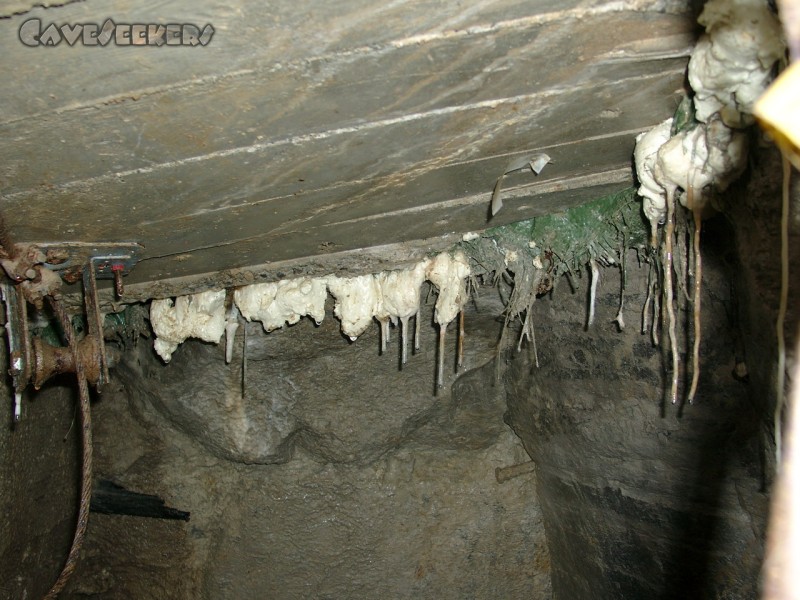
[642,498]
[39,471]
[336,475]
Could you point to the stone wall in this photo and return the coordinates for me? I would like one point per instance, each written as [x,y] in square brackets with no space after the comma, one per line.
[326,472]
[641,498]
[39,470]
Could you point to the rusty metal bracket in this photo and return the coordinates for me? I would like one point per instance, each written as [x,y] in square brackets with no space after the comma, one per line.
[94,318]
[109,261]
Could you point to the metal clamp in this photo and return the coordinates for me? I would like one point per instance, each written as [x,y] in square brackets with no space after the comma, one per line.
[109,261]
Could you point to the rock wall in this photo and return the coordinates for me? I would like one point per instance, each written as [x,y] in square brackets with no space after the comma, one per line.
[324,472]
[39,480]
[643,499]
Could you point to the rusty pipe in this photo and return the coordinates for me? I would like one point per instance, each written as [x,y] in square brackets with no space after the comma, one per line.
[503,474]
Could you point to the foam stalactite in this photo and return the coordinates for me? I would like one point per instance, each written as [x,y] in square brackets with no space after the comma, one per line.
[645,155]
[732,63]
[231,325]
[357,302]
[282,302]
[669,316]
[199,316]
[595,272]
[689,166]
[448,274]
[386,297]
[730,67]
[697,215]
[400,293]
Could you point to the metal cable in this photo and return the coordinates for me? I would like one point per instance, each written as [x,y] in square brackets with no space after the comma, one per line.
[86,433]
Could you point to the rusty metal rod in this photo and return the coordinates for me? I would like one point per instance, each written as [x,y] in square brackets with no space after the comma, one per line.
[503,474]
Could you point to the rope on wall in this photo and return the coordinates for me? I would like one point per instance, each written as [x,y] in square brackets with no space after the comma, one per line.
[86,438]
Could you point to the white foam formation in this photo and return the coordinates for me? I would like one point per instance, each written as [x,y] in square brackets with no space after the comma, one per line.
[645,154]
[729,68]
[386,296]
[199,316]
[357,301]
[400,291]
[732,62]
[710,155]
[448,273]
[282,302]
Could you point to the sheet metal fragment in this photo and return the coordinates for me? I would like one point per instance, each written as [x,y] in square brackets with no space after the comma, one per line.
[535,163]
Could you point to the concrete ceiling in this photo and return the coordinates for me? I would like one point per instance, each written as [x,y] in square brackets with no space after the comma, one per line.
[323,133]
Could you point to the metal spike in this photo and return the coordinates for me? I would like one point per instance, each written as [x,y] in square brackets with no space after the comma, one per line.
[440,369]
[404,340]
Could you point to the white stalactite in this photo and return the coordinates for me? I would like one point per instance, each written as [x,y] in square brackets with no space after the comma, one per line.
[357,301]
[199,316]
[645,153]
[732,62]
[231,325]
[282,302]
[400,292]
[593,290]
[386,296]
[448,274]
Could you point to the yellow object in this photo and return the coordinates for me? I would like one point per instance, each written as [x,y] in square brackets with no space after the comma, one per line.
[778,112]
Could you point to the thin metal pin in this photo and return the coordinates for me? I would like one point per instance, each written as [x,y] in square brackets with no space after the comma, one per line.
[440,370]
[404,335]
[416,332]
[119,287]
[460,358]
